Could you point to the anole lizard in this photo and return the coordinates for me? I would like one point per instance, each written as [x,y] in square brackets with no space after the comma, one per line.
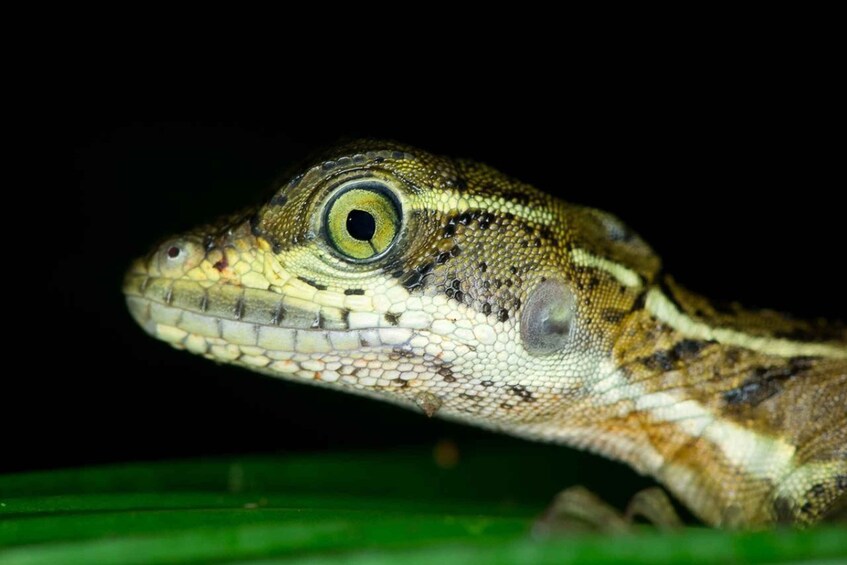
[444,285]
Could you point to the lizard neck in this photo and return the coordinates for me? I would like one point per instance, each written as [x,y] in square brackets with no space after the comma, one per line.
[724,404]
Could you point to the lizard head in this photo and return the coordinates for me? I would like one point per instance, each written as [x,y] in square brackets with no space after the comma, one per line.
[390,272]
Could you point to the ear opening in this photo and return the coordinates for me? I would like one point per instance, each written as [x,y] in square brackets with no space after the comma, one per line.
[547,318]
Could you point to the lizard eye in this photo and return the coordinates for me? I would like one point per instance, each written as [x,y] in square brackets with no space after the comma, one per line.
[362,220]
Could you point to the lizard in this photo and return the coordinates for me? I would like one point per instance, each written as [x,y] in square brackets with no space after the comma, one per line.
[445,286]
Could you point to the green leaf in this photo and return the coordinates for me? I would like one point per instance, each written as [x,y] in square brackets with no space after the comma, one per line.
[358,508]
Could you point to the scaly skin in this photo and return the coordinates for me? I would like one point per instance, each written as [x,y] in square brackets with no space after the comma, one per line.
[740,414]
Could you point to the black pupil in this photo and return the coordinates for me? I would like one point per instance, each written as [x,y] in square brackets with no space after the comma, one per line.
[361,225]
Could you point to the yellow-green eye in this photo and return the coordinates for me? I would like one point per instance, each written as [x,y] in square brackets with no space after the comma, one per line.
[362,221]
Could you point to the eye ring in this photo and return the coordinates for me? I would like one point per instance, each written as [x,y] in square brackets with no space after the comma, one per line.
[362,221]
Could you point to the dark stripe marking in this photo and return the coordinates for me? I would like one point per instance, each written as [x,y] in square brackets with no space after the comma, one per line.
[765,382]
[278,314]
[239,308]
[312,283]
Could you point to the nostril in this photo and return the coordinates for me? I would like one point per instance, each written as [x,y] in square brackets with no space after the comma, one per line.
[178,256]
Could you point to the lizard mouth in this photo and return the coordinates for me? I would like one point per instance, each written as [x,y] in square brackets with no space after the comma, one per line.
[228,321]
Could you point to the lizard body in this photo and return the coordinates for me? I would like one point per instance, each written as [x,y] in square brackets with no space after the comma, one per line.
[446,286]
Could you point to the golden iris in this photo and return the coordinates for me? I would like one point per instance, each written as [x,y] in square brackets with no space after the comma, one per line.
[362,222]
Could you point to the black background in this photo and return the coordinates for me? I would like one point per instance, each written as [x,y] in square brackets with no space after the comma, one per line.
[735,180]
